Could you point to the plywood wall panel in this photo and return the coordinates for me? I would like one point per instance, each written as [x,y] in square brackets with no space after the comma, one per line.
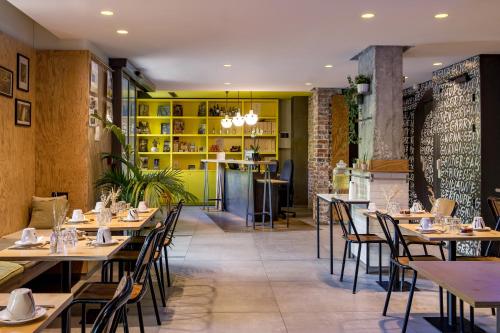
[340,130]
[17,144]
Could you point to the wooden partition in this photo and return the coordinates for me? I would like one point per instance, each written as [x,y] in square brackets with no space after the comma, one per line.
[340,130]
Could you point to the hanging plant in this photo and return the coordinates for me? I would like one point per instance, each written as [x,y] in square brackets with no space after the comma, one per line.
[362,84]
[351,100]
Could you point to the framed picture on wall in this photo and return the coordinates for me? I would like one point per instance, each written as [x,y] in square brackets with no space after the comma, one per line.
[93,109]
[6,82]
[23,72]
[109,84]
[23,113]
[94,77]
[109,111]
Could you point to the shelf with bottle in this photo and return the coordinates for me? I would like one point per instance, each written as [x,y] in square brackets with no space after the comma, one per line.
[154,162]
[193,127]
[189,109]
[145,145]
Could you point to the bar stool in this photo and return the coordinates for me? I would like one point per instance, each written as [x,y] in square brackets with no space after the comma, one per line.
[268,194]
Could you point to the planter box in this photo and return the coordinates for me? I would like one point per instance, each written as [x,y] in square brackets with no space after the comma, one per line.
[363,88]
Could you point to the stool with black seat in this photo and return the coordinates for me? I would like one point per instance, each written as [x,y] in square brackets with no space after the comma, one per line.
[342,214]
[387,223]
[267,199]
[102,292]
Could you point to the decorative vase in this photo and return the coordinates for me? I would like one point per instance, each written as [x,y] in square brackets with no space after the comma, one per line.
[255,157]
[363,88]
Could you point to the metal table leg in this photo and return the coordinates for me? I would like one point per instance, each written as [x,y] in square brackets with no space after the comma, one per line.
[317,225]
[66,288]
[330,213]
[205,187]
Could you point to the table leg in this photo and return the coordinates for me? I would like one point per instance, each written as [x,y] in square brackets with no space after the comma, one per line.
[248,196]
[498,320]
[317,224]
[66,288]
[205,187]
[367,244]
[330,213]
[452,300]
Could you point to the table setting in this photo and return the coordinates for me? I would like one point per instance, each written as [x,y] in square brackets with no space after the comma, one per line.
[21,308]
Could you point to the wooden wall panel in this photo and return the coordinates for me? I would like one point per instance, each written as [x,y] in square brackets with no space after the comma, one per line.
[340,130]
[62,126]
[17,144]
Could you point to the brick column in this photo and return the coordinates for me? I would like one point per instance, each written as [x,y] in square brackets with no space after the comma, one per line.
[320,145]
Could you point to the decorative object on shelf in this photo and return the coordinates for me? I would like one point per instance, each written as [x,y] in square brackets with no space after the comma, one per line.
[165,128]
[213,130]
[93,110]
[109,111]
[201,149]
[109,84]
[254,147]
[235,149]
[202,109]
[156,164]
[251,118]
[178,126]
[23,113]
[202,129]
[144,162]
[143,110]
[154,147]
[351,100]
[143,128]
[191,167]
[364,162]
[23,72]
[192,148]
[6,82]
[143,145]
[94,77]
[178,110]
[163,110]
[157,188]
[362,84]
[166,146]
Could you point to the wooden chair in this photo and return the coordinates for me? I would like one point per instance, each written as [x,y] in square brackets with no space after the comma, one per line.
[102,292]
[387,223]
[443,207]
[343,216]
[115,309]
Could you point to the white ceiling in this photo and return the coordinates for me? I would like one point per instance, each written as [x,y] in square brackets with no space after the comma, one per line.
[272,44]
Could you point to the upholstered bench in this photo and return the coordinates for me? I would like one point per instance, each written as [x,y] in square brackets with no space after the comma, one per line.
[9,270]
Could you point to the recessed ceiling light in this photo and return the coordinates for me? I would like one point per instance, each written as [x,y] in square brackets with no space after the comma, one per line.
[228,65]
[328,66]
[308,84]
[368,15]
[227,83]
[107,13]
[437,64]
[122,32]
[441,15]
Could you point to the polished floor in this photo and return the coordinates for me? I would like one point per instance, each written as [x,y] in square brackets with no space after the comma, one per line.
[272,282]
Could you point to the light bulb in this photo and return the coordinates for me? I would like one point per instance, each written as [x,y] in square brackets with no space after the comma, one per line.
[226,122]
[251,118]
[238,120]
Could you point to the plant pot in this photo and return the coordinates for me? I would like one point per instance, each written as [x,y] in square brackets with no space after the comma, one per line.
[255,157]
[364,166]
[363,88]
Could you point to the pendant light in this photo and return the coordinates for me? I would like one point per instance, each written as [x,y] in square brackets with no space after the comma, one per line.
[238,120]
[226,122]
[251,118]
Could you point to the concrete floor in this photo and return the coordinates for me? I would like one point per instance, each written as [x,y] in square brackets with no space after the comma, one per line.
[272,282]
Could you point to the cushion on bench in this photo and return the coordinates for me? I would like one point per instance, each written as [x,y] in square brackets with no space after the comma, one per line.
[8,270]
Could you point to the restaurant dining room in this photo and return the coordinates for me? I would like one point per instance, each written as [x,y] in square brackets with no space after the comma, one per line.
[265,166]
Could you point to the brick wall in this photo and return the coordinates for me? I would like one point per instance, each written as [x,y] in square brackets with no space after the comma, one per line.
[319,145]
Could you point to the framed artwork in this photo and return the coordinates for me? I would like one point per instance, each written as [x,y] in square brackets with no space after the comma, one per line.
[109,84]
[93,109]
[94,77]
[23,113]
[109,111]
[23,72]
[6,82]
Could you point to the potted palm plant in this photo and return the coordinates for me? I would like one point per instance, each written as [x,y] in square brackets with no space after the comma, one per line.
[362,84]
[157,189]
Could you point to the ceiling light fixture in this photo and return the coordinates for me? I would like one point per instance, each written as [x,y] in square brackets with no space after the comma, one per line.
[227,83]
[251,118]
[441,15]
[228,65]
[122,32]
[107,13]
[308,84]
[238,119]
[437,64]
[328,66]
[226,122]
[368,15]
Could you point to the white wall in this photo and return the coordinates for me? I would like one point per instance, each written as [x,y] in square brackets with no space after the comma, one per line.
[18,25]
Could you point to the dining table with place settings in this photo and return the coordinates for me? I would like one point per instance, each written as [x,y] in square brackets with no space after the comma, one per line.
[54,304]
[441,234]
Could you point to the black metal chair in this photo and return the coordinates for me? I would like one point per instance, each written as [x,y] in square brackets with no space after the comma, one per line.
[109,316]
[102,292]
[343,216]
[387,223]
[286,191]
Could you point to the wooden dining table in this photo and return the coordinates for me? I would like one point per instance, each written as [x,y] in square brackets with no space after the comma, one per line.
[476,283]
[452,238]
[117,222]
[56,303]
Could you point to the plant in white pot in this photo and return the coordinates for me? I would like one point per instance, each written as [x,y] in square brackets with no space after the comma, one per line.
[362,84]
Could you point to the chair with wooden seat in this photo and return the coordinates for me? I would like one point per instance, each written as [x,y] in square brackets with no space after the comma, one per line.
[109,316]
[343,216]
[442,207]
[102,292]
[387,223]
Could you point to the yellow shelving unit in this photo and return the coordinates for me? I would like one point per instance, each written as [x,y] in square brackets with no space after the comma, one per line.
[182,145]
